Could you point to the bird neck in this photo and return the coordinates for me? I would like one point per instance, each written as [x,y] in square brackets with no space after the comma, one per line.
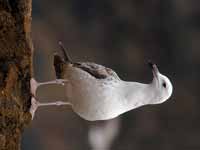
[137,94]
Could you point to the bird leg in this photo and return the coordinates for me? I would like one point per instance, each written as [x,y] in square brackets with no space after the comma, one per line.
[34,84]
[35,104]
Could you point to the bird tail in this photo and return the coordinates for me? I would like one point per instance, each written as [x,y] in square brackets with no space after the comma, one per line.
[65,53]
[60,59]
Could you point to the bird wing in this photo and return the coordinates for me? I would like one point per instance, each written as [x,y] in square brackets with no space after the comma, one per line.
[95,70]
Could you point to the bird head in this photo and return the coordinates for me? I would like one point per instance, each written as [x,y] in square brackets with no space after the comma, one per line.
[162,85]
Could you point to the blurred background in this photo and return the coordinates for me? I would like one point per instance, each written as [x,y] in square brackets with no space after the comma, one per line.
[122,35]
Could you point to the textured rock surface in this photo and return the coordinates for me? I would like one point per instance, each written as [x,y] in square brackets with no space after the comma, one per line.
[15,71]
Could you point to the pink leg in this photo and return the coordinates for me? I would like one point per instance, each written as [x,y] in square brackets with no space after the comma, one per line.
[35,104]
[34,84]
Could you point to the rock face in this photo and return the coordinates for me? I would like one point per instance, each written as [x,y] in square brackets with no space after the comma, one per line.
[15,71]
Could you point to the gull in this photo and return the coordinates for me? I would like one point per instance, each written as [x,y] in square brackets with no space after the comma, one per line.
[96,92]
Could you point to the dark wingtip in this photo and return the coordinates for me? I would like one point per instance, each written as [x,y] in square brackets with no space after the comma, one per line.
[57,56]
[58,61]
[64,51]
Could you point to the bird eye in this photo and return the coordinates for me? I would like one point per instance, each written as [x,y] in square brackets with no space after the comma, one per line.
[164,85]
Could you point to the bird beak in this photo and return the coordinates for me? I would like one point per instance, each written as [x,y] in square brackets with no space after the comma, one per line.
[154,69]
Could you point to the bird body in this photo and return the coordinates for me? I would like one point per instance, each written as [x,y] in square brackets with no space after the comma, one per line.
[93,98]
[97,93]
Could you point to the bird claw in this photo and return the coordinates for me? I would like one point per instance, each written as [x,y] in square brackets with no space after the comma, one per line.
[34,106]
[34,85]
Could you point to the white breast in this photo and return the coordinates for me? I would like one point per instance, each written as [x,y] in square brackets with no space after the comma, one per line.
[91,98]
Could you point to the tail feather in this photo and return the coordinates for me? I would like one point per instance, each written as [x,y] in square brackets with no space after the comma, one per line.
[64,52]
